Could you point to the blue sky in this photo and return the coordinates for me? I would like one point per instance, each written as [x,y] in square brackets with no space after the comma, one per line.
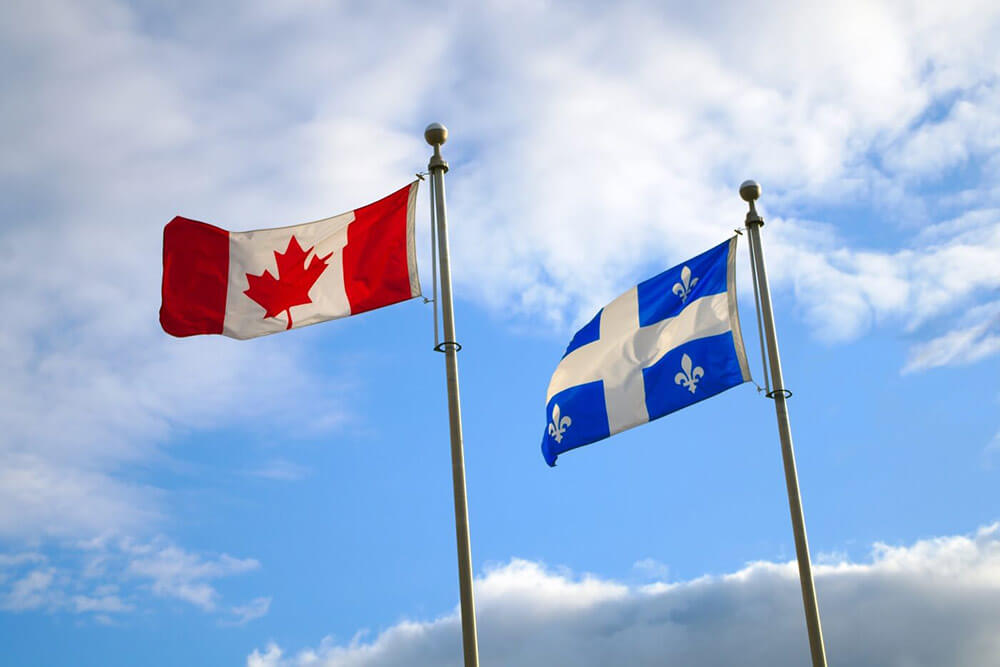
[286,501]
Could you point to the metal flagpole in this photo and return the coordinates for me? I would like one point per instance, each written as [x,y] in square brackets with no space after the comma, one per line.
[436,134]
[750,191]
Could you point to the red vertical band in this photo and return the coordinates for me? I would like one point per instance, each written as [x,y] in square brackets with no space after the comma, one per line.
[195,277]
[376,269]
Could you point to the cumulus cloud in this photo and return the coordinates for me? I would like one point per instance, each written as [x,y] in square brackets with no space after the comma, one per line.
[607,172]
[934,602]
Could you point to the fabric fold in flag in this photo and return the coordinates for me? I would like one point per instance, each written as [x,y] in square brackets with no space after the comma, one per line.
[669,342]
[249,284]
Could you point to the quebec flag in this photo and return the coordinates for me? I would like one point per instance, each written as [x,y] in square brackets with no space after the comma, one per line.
[668,342]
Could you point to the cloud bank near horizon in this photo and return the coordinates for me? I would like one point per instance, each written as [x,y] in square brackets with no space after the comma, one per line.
[934,602]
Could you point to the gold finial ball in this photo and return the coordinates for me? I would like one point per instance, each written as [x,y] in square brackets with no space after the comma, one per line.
[436,134]
[750,190]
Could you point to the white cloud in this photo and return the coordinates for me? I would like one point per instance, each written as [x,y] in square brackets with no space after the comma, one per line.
[256,608]
[992,450]
[651,568]
[280,470]
[844,292]
[30,592]
[930,603]
[176,573]
[969,129]
[271,657]
[13,560]
[104,577]
[591,173]
[103,603]
[978,338]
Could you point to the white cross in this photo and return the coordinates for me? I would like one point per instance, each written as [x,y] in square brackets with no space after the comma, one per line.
[624,349]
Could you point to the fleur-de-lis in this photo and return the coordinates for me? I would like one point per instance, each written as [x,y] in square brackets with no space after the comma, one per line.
[684,287]
[690,376]
[558,426]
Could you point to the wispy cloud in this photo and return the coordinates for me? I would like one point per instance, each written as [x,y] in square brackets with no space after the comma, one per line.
[102,604]
[978,338]
[11,560]
[280,470]
[176,573]
[256,608]
[111,577]
[30,592]
[992,451]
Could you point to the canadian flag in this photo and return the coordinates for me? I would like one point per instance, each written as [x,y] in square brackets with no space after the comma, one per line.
[248,284]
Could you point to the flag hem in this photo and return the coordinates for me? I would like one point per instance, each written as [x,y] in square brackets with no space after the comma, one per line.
[411,240]
[734,314]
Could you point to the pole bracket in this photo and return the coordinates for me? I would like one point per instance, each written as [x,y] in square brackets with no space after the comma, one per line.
[784,392]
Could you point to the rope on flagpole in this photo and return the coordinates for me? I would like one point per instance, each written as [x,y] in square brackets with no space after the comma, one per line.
[434,262]
[760,389]
[439,345]
[760,326]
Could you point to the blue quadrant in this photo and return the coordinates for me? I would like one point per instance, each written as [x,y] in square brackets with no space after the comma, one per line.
[668,386]
[588,333]
[584,406]
[658,296]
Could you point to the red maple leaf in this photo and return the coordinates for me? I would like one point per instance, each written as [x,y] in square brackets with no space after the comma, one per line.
[291,287]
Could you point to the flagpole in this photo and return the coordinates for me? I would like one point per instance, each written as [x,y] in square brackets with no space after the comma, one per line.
[750,191]
[436,134]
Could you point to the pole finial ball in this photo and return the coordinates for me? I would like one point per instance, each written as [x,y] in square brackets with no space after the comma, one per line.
[750,190]
[436,134]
